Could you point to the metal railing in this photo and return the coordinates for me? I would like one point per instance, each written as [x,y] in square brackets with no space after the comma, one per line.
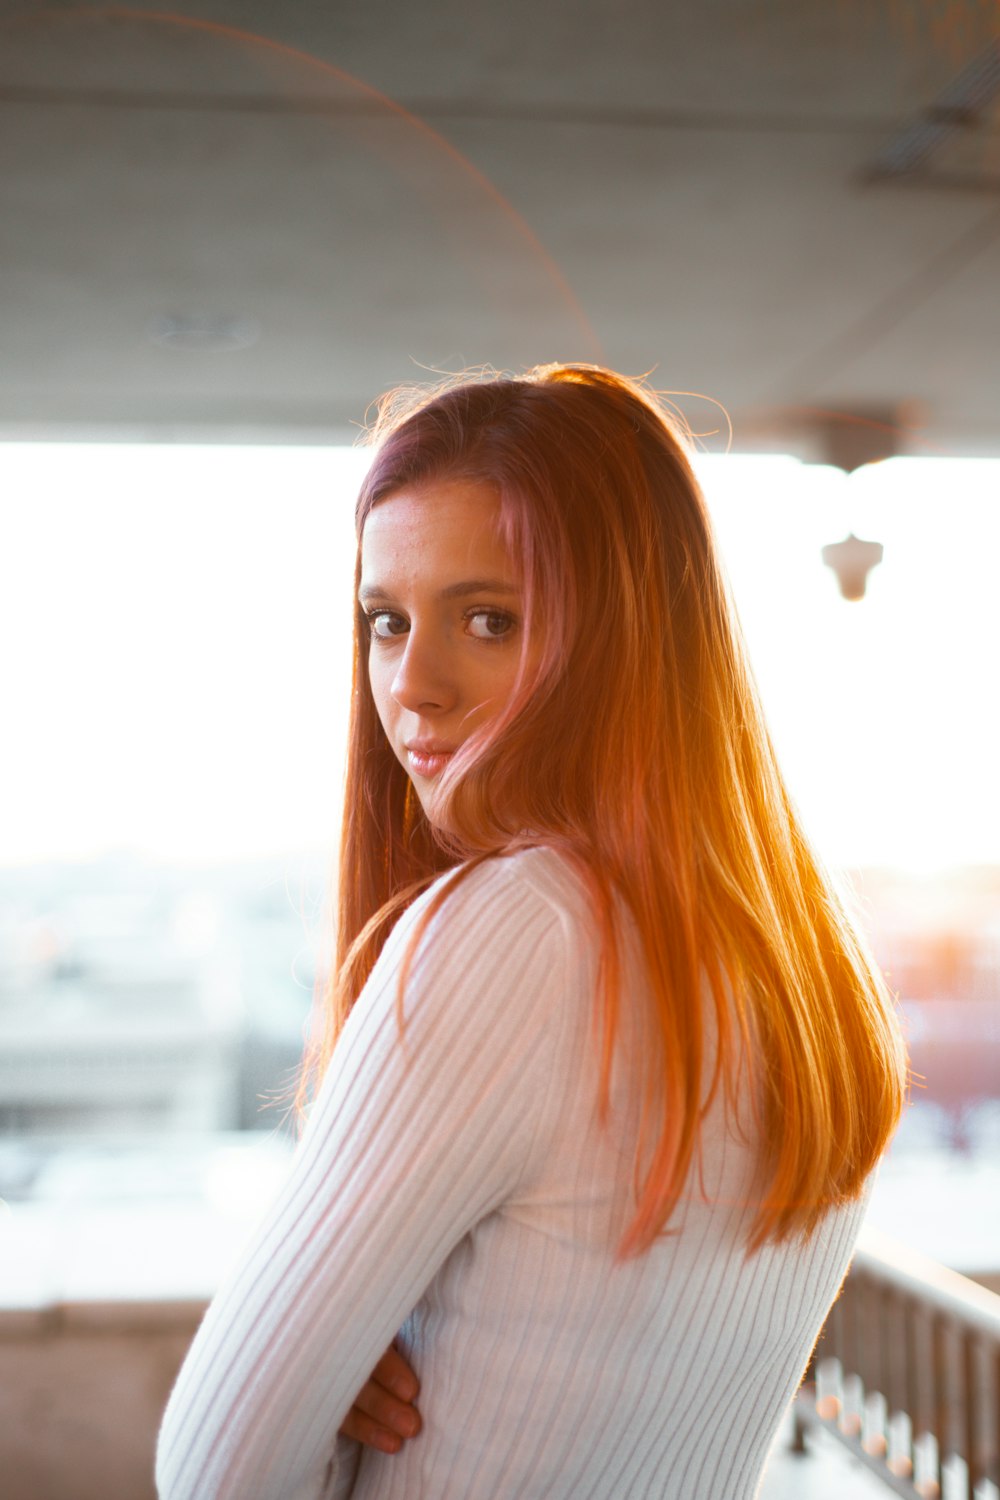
[906,1373]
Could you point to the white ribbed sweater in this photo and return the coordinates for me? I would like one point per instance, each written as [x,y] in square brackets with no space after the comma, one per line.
[458,1191]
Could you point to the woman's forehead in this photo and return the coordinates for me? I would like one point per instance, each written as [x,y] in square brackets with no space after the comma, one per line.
[440,529]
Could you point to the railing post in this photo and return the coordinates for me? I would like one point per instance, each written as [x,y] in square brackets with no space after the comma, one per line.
[944,1406]
[798,1443]
[907,1374]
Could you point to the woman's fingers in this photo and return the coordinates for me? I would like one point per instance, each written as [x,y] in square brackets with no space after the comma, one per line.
[387,1410]
[382,1415]
[360,1427]
[393,1372]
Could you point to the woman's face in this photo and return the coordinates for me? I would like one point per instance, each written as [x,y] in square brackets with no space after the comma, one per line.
[443,601]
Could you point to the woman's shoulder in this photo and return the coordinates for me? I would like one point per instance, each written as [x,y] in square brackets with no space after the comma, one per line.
[532,901]
[508,930]
[537,883]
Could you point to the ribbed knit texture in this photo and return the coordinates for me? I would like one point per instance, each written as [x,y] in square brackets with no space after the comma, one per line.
[458,1191]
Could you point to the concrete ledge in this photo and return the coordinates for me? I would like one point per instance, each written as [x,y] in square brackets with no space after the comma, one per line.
[100,1317]
[82,1391]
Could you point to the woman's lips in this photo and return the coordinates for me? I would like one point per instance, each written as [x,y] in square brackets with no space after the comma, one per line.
[428,762]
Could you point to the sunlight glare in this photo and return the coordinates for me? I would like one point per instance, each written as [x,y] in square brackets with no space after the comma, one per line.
[178,629]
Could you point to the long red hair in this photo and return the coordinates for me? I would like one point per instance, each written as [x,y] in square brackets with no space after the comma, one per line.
[635,743]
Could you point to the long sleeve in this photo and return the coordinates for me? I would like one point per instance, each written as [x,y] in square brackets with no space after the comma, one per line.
[409,1144]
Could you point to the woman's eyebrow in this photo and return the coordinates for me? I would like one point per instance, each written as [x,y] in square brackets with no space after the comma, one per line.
[478,586]
[368,592]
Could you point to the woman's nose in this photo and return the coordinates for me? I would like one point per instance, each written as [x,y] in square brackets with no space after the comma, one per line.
[422,680]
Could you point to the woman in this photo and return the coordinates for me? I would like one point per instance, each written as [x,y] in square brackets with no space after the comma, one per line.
[606,1068]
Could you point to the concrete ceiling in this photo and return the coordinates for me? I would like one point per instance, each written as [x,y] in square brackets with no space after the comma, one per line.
[244,223]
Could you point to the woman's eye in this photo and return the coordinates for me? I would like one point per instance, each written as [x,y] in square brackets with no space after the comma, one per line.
[383,624]
[489,624]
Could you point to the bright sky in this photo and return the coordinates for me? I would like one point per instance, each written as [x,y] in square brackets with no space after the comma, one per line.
[176,623]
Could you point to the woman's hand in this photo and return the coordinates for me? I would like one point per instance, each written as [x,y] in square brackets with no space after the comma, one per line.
[383,1414]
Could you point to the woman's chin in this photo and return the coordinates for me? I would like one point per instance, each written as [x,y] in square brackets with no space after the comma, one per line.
[435,807]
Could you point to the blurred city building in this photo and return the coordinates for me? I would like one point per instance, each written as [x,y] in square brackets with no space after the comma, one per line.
[142,1000]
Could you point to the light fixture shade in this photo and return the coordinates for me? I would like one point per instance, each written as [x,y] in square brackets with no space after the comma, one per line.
[204,333]
[852,560]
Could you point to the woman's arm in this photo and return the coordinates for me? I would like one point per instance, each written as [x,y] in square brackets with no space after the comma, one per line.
[407,1147]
